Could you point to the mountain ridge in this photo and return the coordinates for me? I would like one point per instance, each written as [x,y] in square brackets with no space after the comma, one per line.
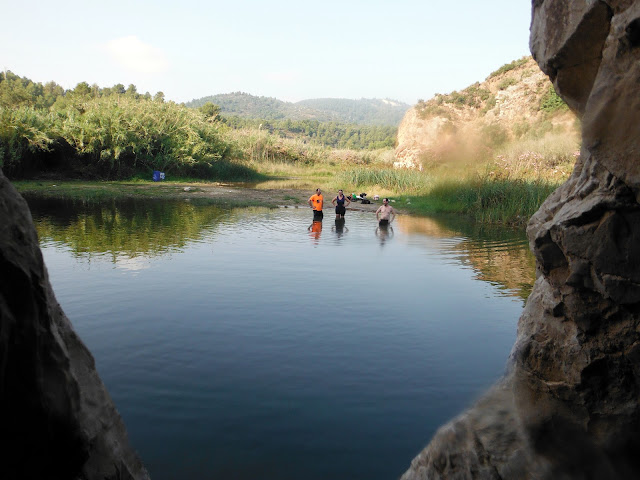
[364,111]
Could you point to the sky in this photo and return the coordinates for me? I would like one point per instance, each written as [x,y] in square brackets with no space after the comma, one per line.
[402,50]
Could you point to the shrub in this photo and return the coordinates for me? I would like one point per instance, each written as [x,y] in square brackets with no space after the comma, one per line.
[551,101]
[509,66]
[506,83]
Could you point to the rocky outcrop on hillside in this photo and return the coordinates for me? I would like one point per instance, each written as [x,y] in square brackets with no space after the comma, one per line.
[514,101]
[569,407]
[57,419]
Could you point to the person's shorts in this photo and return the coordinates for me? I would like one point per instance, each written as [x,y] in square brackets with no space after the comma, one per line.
[317,215]
[340,210]
[383,223]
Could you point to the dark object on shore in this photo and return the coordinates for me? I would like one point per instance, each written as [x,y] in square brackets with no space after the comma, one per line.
[364,199]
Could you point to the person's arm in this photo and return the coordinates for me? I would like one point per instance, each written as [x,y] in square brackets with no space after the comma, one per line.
[348,201]
[378,214]
[393,215]
[334,201]
[310,202]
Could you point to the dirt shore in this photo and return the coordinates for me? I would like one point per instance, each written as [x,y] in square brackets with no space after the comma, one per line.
[287,198]
[229,194]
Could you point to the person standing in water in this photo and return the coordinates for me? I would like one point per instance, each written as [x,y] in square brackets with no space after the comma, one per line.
[316,202]
[385,214]
[338,201]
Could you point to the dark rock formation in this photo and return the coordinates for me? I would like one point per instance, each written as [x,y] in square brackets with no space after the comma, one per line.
[569,407]
[57,420]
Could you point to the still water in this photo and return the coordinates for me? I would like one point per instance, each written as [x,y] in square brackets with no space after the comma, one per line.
[249,343]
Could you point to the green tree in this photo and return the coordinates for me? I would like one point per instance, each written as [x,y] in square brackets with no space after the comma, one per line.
[132,91]
[82,90]
[210,110]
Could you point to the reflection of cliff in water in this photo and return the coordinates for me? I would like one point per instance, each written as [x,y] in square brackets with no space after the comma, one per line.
[123,228]
[497,254]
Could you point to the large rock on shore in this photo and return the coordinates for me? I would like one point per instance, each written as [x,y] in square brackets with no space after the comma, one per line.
[57,420]
[569,406]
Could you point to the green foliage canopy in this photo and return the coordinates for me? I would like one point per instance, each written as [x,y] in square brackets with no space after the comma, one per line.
[106,133]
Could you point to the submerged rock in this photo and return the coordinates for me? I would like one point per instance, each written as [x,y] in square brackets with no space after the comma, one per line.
[569,405]
[57,419]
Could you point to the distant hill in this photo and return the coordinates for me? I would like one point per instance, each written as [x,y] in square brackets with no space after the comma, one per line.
[366,111]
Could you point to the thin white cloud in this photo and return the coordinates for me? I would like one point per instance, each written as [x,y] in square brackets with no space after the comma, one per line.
[134,55]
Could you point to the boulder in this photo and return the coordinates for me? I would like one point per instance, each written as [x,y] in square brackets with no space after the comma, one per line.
[569,405]
[58,420]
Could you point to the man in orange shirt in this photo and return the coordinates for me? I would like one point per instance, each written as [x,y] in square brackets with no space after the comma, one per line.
[316,202]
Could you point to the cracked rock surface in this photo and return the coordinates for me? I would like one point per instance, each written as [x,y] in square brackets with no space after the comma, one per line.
[568,408]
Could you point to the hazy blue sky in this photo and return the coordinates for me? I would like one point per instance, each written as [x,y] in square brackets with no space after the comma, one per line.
[398,49]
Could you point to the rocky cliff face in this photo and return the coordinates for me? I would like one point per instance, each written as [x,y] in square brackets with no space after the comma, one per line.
[57,419]
[569,406]
[507,104]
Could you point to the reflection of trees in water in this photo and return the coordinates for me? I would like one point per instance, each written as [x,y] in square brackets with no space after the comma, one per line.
[498,255]
[130,227]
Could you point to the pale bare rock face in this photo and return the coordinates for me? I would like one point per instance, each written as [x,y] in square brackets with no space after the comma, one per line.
[569,407]
[56,418]
[449,126]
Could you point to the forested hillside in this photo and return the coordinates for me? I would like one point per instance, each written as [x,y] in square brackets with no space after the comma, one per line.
[106,133]
[339,110]
[116,132]
[330,134]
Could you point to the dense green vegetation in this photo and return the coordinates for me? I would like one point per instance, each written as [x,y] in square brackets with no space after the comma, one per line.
[509,66]
[330,134]
[93,132]
[107,133]
[501,175]
[365,111]
[361,112]
[488,200]
[551,102]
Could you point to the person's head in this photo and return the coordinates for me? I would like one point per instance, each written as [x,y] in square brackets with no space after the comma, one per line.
[339,192]
[385,201]
[318,191]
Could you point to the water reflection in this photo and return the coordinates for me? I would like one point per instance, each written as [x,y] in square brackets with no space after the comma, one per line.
[315,229]
[497,254]
[130,232]
[123,230]
[246,333]
[339,228]
[384,232]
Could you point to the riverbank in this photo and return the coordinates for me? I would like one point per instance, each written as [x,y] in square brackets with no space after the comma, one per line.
[227,194]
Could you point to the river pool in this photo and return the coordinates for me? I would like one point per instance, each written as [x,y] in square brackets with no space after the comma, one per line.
[251,343]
